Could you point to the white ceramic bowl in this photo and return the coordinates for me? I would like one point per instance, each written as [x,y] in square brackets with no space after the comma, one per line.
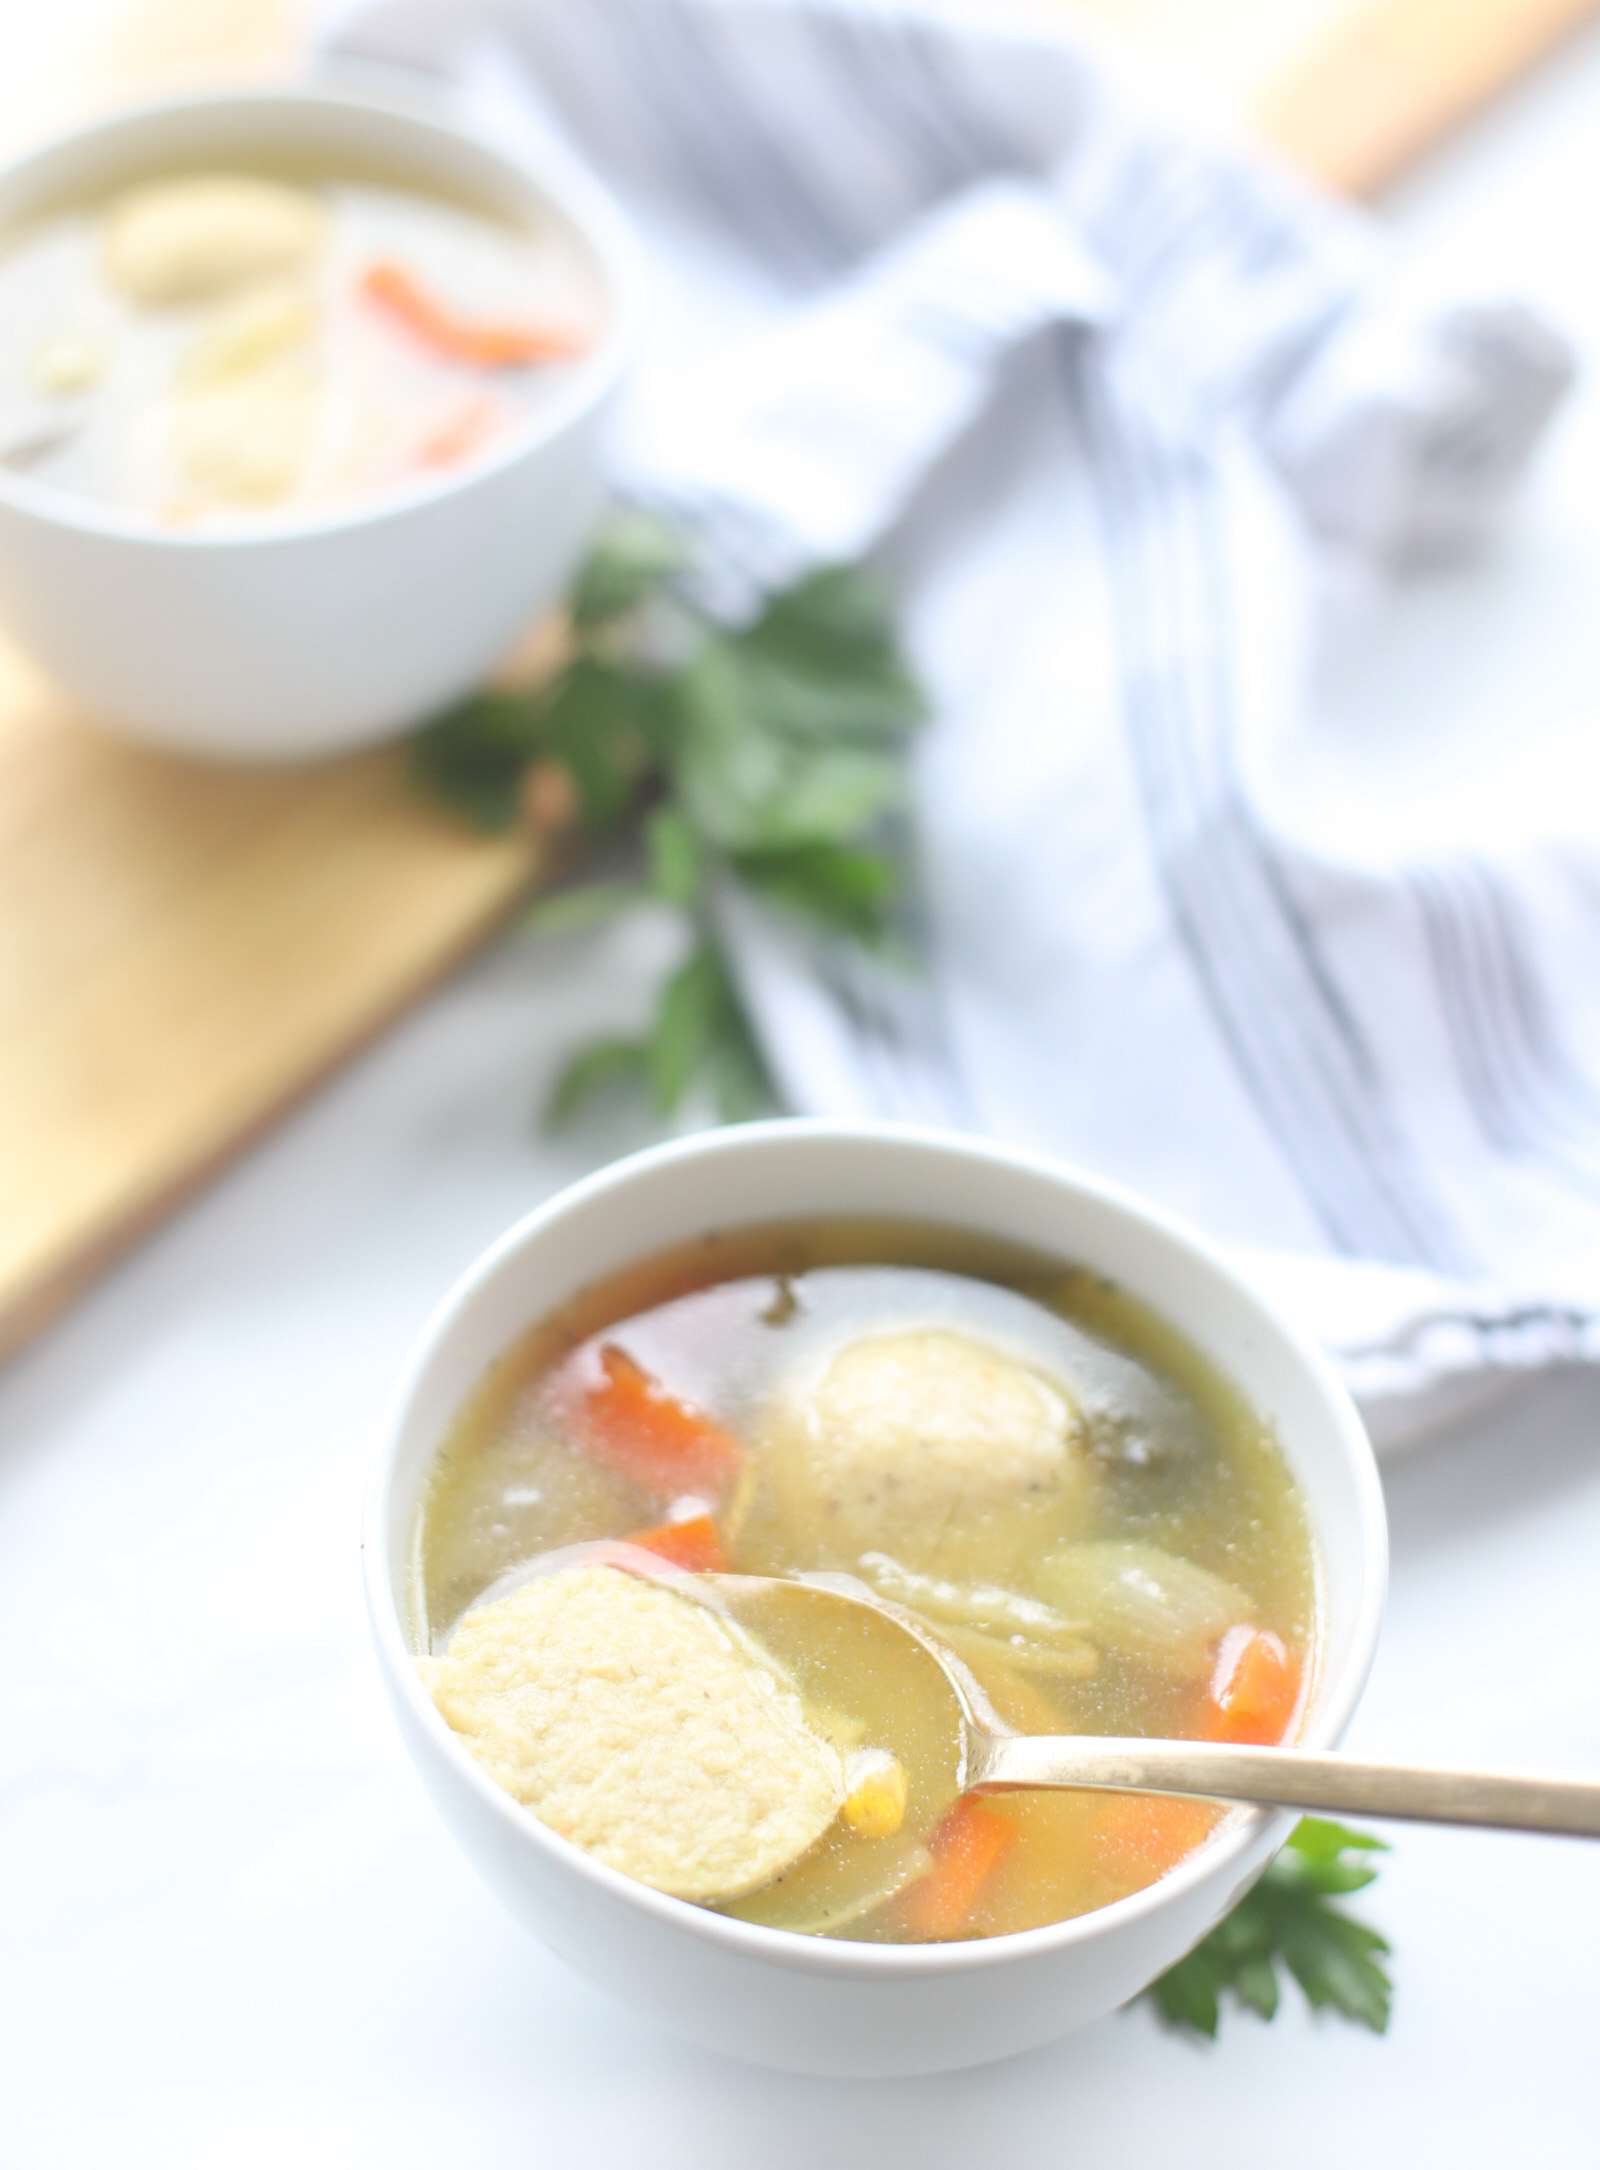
[296,637]
[798,2002]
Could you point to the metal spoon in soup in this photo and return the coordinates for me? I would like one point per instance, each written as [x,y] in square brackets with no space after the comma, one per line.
[690,1729]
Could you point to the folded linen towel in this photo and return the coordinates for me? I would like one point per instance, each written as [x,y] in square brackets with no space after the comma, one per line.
[1106,399]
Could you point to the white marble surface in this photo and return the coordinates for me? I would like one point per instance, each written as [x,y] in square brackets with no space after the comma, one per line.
[231,1931]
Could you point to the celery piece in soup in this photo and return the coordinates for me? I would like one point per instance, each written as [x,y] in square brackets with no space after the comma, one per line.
[254,329]
[1138,1601]
[1029,1631]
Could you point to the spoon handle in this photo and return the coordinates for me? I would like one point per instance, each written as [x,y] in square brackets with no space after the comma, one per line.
[1294,1778]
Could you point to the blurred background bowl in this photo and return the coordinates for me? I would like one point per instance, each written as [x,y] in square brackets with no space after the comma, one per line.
[302,637]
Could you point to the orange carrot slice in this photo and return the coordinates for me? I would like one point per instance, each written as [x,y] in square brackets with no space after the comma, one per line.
[1255,1688]
[457,439]
[491,345]
[692,1544]
[967,1847]
[1147,1832]
[665,1446]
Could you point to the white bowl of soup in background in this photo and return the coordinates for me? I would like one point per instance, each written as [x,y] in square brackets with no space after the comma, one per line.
[800,2002]
[282,635]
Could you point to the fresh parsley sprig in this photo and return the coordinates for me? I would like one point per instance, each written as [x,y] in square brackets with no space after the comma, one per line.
[771,755]
[1290,1919]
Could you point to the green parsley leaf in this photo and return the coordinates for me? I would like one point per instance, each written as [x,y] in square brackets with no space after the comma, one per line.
[575,911]
[473,757]
[675,857]
[767,754]
[818,706]
[636,556]
[590,1071]
[1189,1994]
[738,1078]
[1255,1984]
[747,784]
[1288,1919]
[842,885]
[1335,1961]
[700,1035]
[596,719]
[824,656]
[1315,1840]
[686,1024]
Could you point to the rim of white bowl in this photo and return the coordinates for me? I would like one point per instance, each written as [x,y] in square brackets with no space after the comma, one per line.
[541,172]
[786,1947]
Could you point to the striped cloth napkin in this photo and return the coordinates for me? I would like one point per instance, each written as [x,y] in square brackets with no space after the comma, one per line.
[1115,407]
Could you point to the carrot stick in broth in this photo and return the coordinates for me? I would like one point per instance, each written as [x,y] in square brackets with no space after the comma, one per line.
[1148,1832]
[464,433]
[1255,1689]
[489,344]
[692,1544]
[665,1446]
[1252,1697]
[967,1847]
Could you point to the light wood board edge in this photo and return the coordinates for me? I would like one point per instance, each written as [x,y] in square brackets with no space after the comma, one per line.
[1386,83]
[505,880]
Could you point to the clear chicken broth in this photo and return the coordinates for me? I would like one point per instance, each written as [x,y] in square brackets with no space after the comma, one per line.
[1163,1581]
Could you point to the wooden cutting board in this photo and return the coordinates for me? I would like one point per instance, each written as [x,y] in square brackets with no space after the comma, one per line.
[185,950]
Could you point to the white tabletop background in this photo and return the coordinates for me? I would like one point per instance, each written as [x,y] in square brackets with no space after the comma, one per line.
[232,1932]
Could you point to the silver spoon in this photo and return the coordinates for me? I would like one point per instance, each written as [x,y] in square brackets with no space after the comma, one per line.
[994,1759]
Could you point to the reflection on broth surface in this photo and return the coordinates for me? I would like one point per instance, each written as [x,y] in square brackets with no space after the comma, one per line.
[1056,1483]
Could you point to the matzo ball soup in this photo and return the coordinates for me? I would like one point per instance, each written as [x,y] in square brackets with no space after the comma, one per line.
[1066,1492]
[206,348]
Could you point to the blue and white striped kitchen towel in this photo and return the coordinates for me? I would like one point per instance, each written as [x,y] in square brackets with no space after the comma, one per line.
[1107,400]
